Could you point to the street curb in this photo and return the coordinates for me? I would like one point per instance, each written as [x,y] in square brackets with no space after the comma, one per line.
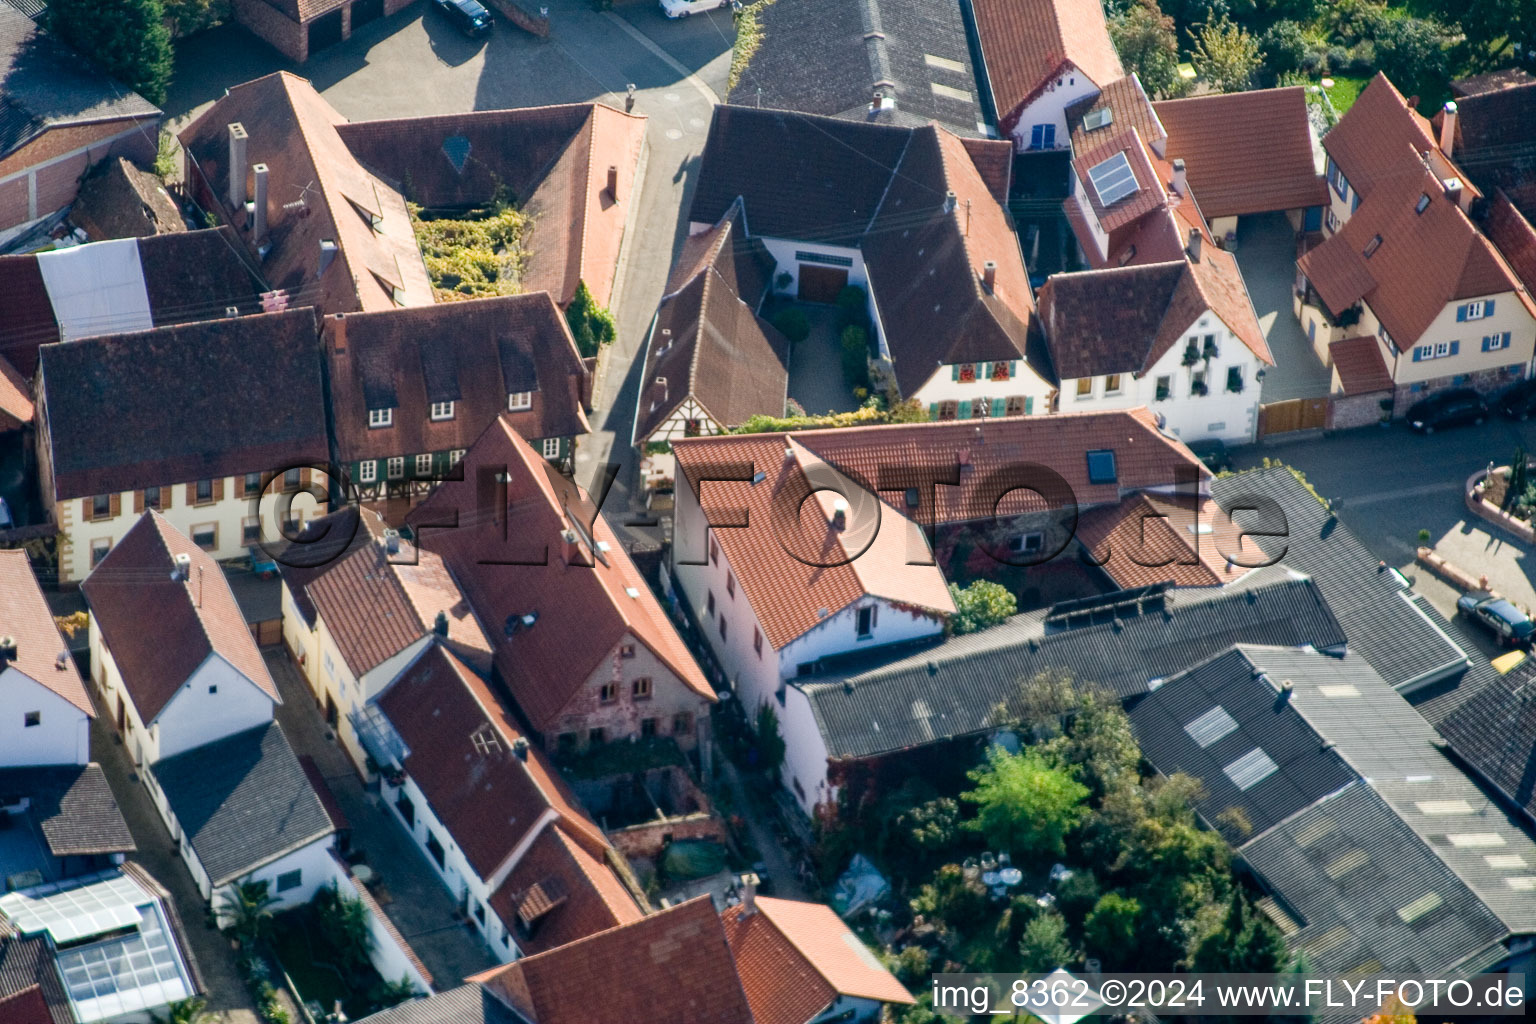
[665,57]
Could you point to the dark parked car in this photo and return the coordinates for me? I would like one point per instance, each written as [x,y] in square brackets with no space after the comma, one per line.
[1447,409]
[470,16]
[1213,452]
[1496,614]
[1519,402]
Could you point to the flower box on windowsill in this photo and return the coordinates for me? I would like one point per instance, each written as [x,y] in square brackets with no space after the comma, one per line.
[1199,389]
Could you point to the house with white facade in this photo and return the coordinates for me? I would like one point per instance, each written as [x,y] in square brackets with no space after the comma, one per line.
[1168,336]
[784,588]
[177,668]
[355,622]
[45,712]
[1405,260]
[587,653]
[1038,57]
[914,217]
[113,439]
[499,825]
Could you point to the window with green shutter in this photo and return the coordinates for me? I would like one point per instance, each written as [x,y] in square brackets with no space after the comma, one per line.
[998,406]
[965,409]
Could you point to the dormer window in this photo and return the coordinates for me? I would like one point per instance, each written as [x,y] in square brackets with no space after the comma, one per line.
[1101,467]
[381,418]
[520,400]
[1372,246]
[442,411]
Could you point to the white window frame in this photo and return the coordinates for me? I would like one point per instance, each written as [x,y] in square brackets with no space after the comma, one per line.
[441,411]
[368,471]
[396,467]
[1477,309]
[1119,380]
[424,465]
[455,456]
[1078,394]
[380,418]
[517,400]
[193,532]
[551,447]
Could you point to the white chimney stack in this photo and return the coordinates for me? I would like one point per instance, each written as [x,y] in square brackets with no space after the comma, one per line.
[749,883]
[237,139]
[1448,128]
[259,204]
[1180,180]
[949,202]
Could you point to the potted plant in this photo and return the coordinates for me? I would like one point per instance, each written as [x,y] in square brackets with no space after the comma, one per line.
[1191,354]
[1199,388]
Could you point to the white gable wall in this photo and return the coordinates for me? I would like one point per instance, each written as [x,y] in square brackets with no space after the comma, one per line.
[215,702]
[805,752]
[1050,107]
[63,732]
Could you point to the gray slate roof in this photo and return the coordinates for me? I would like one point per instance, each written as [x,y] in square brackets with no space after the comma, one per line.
[242,801]
[1370,895]
[73,806]
[830,58]
[1495,733]
[44,84]
[467,1004]
[1399,633]
[950,689]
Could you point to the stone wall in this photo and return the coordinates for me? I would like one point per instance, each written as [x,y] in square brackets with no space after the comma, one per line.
[1486,382]
[650,839]
[1348,411]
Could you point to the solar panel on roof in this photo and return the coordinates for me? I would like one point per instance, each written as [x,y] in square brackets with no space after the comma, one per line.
[1113,179]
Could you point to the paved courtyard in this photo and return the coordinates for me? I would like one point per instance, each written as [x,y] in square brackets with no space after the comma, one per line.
[1266,254]
[816,365]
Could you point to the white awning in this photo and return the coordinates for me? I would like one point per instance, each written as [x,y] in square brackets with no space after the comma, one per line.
[97,288]
[76,912]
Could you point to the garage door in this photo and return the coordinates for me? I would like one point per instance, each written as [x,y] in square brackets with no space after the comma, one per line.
[365,11]
[325,31]
[821,284]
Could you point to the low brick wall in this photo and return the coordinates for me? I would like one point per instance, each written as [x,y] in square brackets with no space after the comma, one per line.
[285,35]
[1485,382]
[1348,411]
[524,15]
[649,839]
[1487,510]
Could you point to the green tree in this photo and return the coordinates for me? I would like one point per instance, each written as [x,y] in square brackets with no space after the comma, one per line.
[922,1012]
[1285,49]
[248,907]
[792,323]
[1519,476]
[1491,29]
[1246,942]
[591,325]
[855,356]
[980,605]
[127,38]
[1412,52]
[182,1011]
[1025,805]
[1044,946]
[1144,38]
[1225,55]
[770,743]
[185,17]
[342,922]
[1111,927]
[932,825]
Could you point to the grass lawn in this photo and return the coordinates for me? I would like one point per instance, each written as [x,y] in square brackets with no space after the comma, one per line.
[1345,91]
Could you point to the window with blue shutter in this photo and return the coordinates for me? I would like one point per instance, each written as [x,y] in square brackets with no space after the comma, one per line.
[965,409]
[1455,347]
[1461,313]
[1354,203]
[1418,352]
[999,406]
[1488,308]
[1029,404]
[1013,368]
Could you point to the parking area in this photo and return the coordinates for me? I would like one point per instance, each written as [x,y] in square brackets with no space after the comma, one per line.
[1266,254]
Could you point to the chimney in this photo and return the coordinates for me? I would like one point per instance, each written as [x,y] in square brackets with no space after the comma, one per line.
[572,547]
[875,101]
[237,139]
[339,332]
[840,514]
[183,567]
[7,650]
[1448,128]
[440,624]
[949,202]
[392,542]
[327,254]
[520,748]
[989,275]
[1180,180]
[1453,189]
[1193,248]
[748,894]
[259,201]
[613,182]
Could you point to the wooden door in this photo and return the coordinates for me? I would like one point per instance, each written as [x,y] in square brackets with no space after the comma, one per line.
[821,284]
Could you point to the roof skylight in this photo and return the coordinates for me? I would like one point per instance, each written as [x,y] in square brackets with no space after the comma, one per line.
[1113,179]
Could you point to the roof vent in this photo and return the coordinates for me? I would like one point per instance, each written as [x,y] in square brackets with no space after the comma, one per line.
[933,668]
[518,623]
[181,571]
[1452,188]
[840,514]
[7,649]
[440,624]
[949,202]
[62,661]
[392,541]
[327,254]
[847,685]
[759,477]
[789,454]
[231,310]
[822,613]
[989,275]
[520,748]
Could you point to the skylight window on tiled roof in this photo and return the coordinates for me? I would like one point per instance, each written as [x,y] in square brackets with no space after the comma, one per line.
[1211,726]
[1411,912]
[456,148]
[1251,769]
[1098,118]
[1422,204]
[1505,860]
[1101,467]
[1113,179]
[1372,246]
[1473,839]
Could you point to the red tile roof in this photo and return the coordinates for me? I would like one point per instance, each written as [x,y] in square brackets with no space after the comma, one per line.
[464,756]
[1025,42]
[1371,140]
[471,353]
[1149,194]
[789,595]
[375,605]
[26,618]
[320,546]
[1360,364]
[555,160]
[672,966]
[296,134]
[1245,152]
[560,892]
[28,1006]
[583,609]
[1146,540]
[1128,107]
[1514,236]
[1419,260]
[160,629]
[1493,132]
[795,958]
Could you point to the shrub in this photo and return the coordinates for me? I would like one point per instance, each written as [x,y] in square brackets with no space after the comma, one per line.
[591,325]
[793,324]
[1025,804]
[853,305]
[980,605]
[855,356]
[477,254]
[1285,48]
